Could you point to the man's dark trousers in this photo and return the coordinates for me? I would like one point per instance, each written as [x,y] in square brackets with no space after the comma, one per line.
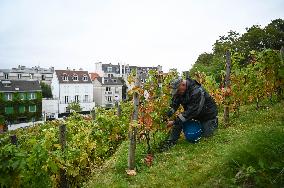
[208,127]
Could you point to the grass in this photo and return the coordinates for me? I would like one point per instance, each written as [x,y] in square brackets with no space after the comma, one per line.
[248,153]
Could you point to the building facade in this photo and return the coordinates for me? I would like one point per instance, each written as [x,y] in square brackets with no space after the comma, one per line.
[107,90]
[72,86]
[25,73]
[20,101]
[123,71]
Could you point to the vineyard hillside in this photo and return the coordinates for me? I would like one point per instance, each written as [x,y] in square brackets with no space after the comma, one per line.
[248,154]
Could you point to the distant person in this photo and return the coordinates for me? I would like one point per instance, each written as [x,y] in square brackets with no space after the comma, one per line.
[197,104]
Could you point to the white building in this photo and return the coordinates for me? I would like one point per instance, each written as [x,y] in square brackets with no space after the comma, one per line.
[50,108]
[107,90]
[72,86]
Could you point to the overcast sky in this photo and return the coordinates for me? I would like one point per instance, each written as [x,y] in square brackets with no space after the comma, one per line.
[78,33]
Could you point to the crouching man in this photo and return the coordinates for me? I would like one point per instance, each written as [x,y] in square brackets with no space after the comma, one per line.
[197,104]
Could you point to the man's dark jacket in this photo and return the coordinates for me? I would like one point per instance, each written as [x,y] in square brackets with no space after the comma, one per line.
[196,102]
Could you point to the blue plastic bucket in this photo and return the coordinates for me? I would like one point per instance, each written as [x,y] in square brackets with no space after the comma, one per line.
[192,131]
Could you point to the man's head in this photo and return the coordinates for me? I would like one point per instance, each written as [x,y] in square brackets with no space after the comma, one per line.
[178,86]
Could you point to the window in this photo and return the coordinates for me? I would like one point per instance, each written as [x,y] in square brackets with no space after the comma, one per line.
[115,81]
[22,109]
[43,77]
[65,77]
[66,99]
[85,77]
[7,83]
[109,99]
[76,98]
[32,108]
[22,96]
[109,69]
[75,77]
[9,110]
[32,96]
[67,110]
[86,98]
[116,90]
[108,88]
[110,75]
[8,96]
[19,76]
[6,76]
[31,76]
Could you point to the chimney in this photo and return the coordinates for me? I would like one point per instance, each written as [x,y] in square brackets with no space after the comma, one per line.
[98,68]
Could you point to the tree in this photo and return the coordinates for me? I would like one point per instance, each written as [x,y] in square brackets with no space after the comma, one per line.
[226,42]
[46,90]
[275,34]
[253,39]
[205,58]
[74,107]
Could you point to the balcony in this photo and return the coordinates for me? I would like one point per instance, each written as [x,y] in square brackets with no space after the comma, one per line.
[108,92]
[79,101]
[109,105]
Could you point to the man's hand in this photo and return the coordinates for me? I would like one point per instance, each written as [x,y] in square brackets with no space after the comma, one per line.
[170,124]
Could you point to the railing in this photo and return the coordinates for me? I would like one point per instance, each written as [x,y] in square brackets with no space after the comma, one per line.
[108,92]
[83,101]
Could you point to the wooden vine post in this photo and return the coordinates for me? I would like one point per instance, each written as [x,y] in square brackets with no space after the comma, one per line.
[227,86]
[14,139]
[118,107]
[62,140]
[133,130]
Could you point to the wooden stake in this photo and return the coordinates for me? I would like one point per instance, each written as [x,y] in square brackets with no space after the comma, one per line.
[133,131]
[227,85]
[62,140]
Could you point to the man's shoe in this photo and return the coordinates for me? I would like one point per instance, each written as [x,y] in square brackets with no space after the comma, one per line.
[166,145]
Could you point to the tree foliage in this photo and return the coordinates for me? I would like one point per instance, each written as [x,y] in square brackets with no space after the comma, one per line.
[257,65]
[74,107]
[46,90]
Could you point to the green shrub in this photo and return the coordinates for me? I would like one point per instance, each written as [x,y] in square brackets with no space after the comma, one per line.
[259,161]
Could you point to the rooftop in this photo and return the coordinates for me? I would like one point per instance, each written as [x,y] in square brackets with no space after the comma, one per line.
[110,81]
[19,85]
[73,77]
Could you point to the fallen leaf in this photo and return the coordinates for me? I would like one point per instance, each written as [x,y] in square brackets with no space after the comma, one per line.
[131,172]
